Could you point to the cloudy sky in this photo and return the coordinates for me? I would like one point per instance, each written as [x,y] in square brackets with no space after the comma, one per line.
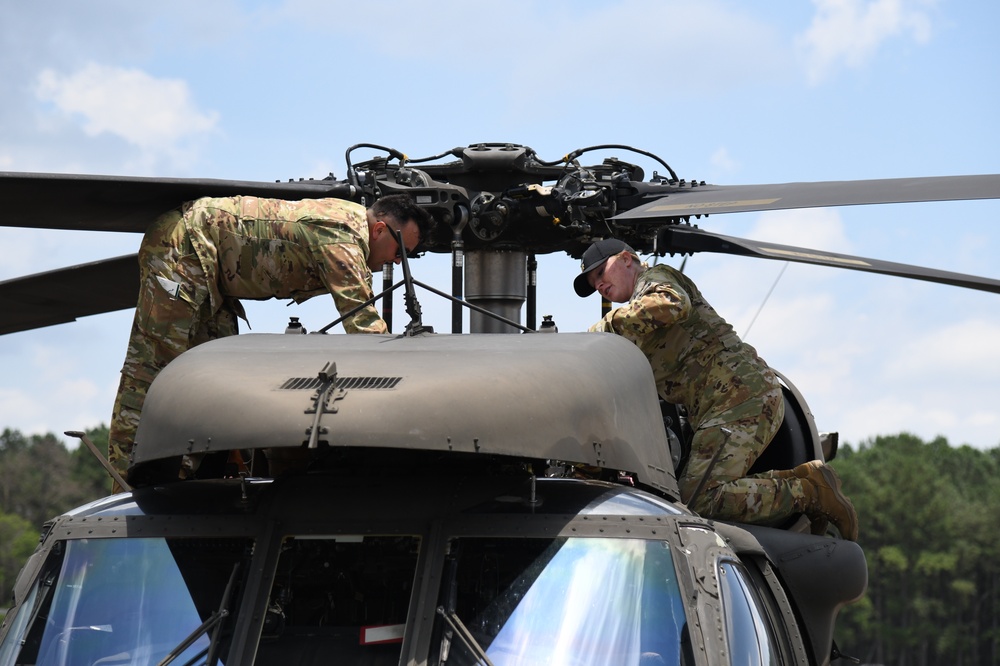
[727,92]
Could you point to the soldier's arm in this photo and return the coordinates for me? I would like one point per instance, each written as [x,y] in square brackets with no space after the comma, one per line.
[345,274]
[661,305]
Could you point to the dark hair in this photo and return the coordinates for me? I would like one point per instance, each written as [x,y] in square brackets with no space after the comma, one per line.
[401,208]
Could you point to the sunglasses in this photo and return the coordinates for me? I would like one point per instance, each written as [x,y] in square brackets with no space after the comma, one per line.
[397,237]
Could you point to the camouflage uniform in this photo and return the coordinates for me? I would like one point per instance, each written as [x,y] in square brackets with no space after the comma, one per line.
[197,261]
[698,361]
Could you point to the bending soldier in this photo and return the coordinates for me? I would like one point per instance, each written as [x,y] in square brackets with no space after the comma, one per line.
[733,399]
[196,261]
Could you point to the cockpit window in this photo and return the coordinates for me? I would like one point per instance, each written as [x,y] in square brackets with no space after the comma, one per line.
[568,600]
[629,504]
[128,601]
[339,599]
[747,626]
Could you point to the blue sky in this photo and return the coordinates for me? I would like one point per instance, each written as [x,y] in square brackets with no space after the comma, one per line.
[727,92]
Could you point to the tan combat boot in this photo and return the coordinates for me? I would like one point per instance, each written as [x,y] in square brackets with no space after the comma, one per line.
[825,499]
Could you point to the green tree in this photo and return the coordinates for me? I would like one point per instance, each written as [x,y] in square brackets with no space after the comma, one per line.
[928,527]
[87,471]
[18,539]
[40,478]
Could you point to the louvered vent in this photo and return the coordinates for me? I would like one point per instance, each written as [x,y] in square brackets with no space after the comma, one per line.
[346,383]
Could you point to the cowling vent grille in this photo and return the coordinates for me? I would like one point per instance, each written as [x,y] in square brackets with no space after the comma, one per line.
[345,383]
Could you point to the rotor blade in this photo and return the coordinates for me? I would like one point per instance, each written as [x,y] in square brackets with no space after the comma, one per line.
[707,199]
[119,203]
[687,239]
[60,296]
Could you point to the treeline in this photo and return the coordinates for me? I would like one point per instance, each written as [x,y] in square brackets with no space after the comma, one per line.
[39,479]
[930,527]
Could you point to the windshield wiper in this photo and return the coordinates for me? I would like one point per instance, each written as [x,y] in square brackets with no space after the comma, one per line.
[215,618]
[463,632]
[212,622]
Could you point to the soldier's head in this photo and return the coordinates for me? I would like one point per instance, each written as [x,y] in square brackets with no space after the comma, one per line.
[401,213]
[611,267]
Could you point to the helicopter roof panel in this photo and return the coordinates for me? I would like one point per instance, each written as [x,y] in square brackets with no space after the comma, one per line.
[583,397]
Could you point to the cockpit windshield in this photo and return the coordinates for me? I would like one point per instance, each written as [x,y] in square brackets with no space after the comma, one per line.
[563,601]
[111,602]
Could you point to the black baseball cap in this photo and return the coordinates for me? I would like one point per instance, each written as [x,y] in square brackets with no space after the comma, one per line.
[593,257]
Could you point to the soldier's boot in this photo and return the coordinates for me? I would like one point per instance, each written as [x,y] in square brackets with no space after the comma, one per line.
[815,523]
[825,500]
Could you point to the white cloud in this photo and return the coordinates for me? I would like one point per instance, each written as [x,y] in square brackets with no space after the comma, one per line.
[66,376]
[29,251]
[562,52]
[983,419]
[814,228]
[156,115]
[850,32]
[928,380]
[722,160]
[966,349]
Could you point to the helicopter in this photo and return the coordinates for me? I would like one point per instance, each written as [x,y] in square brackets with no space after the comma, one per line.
[504,497]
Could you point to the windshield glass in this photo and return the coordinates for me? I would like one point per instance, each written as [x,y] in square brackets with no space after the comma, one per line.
[750,634]
[629,504]
[564,601]
[126,601]
[339,600]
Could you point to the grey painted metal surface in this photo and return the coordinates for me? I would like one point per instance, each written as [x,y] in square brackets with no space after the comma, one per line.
[575,397]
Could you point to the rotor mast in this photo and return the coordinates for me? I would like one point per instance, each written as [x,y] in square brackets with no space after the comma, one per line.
[496,280]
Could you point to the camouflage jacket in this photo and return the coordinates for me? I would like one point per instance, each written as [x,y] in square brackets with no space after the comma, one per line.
[697,359]
[270,248]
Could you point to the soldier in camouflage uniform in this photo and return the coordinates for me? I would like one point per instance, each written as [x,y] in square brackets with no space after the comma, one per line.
[196,261]
[733,399]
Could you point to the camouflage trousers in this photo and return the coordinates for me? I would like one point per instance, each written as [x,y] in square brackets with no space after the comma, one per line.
[173,314]
[727,493]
